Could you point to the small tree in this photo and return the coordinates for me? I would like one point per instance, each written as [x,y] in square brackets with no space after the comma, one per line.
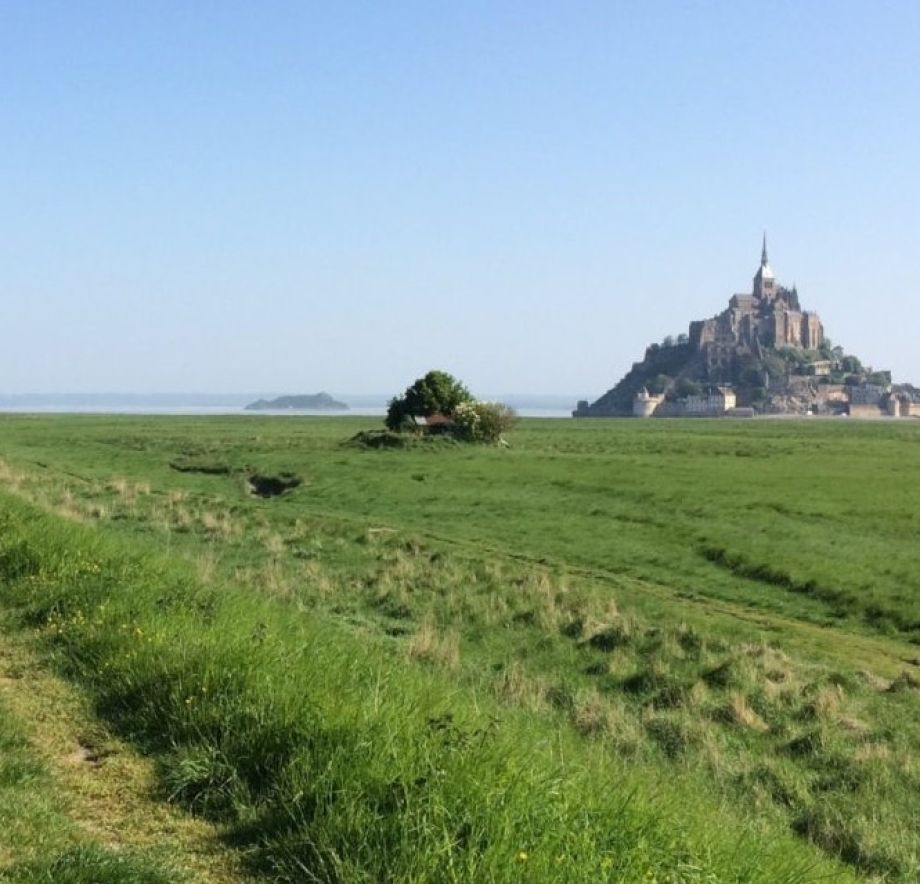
[879,378]
[436,393]
[752,376]
[657,384]
[687,387]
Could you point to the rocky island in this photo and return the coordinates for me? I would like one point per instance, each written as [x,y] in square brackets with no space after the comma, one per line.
[762,354]
[305,402]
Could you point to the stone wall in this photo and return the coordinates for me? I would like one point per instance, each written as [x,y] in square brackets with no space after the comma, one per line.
[865,411]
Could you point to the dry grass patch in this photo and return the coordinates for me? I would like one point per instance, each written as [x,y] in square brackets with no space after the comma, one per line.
[275,580]
[175,496]
[548,597]
[274,543]
[313,575]
[400,567]
[825,704]
[783,694]
[123,489]
[698,695]
[738,711]
[623,729]
[873,751]
[590,714]
[516,687]
[876,682]
[206,567]
[854,726]
[10,477]
[218,524]
[70,509]
[430,645]
[611,631]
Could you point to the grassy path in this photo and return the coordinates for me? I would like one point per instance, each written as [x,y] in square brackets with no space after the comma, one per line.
[103,792]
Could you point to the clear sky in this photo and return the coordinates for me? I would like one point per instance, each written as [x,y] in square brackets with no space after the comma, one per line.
[293,196]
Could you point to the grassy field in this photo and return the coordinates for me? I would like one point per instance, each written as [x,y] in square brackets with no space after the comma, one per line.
[618,650]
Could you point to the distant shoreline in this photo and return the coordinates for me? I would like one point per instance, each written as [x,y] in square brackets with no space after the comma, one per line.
[360,404]
[230,411]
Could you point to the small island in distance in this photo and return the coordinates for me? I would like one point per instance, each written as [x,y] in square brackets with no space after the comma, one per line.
[305,402]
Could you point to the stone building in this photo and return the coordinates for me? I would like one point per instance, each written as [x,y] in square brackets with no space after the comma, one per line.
[820,368]
[770,316]
[715,402]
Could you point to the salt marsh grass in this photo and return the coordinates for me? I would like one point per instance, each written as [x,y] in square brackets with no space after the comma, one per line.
[641,620]
[332,759]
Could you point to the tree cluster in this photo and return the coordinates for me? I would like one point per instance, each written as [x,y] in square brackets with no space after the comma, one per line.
[440,393]
[436,393]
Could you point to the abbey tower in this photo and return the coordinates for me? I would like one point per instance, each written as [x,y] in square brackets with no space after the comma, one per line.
[770,316]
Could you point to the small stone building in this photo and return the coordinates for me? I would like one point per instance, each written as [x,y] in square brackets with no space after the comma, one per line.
[644,405]
[713,403]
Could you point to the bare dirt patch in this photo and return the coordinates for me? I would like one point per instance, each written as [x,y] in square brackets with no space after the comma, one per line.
[263,485]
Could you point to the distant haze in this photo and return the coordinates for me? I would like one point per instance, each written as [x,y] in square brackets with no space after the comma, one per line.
[297,197]
[232,403]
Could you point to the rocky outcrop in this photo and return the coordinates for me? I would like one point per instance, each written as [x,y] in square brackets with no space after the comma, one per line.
[309,402]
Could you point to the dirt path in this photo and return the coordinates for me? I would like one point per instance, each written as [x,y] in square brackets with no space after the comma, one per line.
[104,786]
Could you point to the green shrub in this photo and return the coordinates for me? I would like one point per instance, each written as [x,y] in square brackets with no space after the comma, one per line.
[484,422]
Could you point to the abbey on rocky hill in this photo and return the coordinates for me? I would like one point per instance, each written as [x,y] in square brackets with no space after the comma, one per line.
[763,353]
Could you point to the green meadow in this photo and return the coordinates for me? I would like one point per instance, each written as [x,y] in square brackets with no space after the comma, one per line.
[614,651]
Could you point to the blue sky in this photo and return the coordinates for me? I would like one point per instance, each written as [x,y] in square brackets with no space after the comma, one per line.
[218,196]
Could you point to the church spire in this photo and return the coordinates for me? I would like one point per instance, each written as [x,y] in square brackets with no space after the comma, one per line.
[764,279]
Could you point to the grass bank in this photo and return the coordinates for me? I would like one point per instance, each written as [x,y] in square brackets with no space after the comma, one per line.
[663,592]
[329,758]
